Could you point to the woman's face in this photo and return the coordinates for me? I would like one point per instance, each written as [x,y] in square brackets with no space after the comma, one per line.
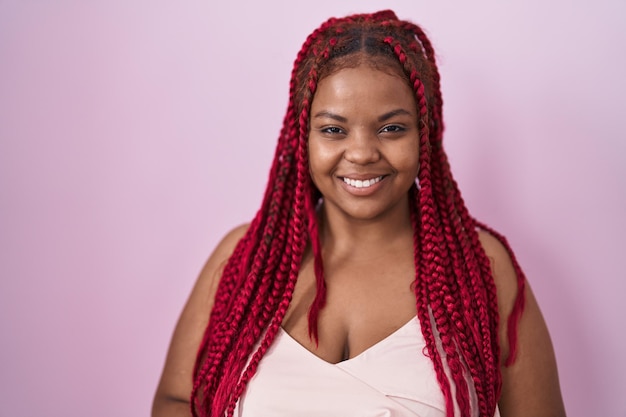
[364,142]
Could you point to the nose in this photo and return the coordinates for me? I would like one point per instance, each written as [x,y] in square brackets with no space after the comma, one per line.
[362,148]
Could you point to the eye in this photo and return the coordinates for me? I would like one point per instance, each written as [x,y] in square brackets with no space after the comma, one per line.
[392,129]
[332,130]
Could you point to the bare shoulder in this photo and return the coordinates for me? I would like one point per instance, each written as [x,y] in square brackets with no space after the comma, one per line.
[174,389]
[530,386]
[226,246]
[503,272]
[207,281]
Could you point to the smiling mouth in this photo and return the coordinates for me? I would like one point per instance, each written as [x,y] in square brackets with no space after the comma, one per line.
[362,183]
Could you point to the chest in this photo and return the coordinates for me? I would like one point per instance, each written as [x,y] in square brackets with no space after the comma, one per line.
[367,300]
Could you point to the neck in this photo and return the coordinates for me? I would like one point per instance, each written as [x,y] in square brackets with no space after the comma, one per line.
[357,238]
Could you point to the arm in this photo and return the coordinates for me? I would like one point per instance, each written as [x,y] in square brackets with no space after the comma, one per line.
[530,386]
[173,392]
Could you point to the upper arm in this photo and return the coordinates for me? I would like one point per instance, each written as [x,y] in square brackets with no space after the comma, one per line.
[530,385]
[175,385]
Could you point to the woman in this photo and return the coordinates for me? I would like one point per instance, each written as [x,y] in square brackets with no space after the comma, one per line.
[362,287]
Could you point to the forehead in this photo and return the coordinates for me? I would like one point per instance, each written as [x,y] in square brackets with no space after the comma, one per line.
[363,86]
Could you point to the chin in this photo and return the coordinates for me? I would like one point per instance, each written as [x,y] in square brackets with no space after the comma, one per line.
[368,213]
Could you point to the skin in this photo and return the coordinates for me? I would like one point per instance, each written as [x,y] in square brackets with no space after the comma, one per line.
[364,126]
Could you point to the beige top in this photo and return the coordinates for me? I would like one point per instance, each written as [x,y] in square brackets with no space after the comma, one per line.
[393,378]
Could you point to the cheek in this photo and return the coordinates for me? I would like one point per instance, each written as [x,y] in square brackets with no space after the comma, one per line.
[314,163]
[321,159]
[407,157]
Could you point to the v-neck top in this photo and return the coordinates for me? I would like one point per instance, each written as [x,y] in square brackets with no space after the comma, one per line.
[393,378]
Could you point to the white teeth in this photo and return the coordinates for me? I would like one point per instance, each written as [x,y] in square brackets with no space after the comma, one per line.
[361,183]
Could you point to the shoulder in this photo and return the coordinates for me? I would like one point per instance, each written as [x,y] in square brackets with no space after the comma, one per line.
[176,380]
[502,268]
[212,270]
[227,245]
[530,384]
[200,301]
[505,279]
[230,240]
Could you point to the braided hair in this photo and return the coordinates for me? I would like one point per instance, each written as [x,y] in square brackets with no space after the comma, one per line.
[454,288]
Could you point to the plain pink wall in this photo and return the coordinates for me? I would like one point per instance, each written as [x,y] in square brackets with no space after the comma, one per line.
[134,134]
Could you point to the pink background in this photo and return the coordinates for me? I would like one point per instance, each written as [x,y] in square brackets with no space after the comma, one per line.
[134,134]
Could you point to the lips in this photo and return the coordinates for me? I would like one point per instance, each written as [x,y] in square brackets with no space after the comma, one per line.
[362,183]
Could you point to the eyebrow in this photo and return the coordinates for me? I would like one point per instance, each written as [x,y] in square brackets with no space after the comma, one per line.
[329,115]
[397,112]
[382,118]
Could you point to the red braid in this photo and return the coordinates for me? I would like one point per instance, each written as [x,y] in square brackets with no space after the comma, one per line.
[454,287]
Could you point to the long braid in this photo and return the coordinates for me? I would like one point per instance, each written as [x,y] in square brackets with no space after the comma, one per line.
[467,241]
[257,282]
[454,289]
[439,269]
[300,219]
[481,298]
[518,306]
[483,364]
[427,295]
[453,199]
[231,282]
